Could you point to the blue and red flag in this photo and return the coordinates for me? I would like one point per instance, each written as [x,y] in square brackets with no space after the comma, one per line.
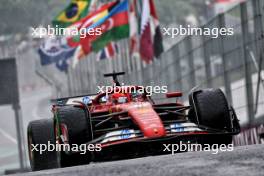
[52,50]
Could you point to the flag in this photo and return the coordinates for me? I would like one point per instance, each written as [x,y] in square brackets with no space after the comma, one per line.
[115,26]
[83,49]
[108,52]
[146,49]
[157,38]
[150,34]
[133,30]
[93,17]
[111,18]
[76,10]
[53,50]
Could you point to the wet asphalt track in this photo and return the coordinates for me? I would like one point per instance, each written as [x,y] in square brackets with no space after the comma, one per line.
[243,161]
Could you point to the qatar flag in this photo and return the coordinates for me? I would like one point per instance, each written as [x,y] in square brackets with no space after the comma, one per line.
[150,35]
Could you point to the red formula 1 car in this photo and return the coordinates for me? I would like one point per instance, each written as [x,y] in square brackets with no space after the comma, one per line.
[121,123]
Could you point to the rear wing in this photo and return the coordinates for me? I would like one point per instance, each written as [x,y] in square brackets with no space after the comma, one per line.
[86,99]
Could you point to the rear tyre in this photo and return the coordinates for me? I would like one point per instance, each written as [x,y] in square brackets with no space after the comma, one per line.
[210,108]
[78,132]
[42,132]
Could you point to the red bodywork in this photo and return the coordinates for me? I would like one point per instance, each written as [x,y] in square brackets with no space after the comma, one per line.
[144,116]
[139,109]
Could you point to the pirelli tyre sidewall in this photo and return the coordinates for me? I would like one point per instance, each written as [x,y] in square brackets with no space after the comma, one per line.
[74,118]
[42,132]
[210,108]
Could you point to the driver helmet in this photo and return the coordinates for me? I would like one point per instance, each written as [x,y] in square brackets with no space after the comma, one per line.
[119,98]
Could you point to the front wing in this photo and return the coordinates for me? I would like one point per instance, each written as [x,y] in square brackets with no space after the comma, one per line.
[172,130]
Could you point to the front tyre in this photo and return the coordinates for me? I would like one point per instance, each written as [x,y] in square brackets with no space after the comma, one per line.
[77,129]
[41,133]
[210,108]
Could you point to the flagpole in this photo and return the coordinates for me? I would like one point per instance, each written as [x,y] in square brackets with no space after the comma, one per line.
[126,40]
[126,56]
[139,10]
[133,51]
[123,61]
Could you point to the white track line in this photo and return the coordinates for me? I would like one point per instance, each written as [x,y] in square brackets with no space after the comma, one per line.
[8,136]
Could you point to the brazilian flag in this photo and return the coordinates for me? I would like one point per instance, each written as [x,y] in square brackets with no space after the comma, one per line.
[76,10]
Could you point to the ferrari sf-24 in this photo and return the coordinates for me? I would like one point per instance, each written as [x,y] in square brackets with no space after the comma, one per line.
[128,125]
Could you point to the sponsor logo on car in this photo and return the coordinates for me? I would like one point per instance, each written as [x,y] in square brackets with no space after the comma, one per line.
[86,100]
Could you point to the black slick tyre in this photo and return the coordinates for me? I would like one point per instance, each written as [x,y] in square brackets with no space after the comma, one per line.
[41,132]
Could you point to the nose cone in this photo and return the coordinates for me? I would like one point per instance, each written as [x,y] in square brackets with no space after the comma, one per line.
[148,121]
[153,131]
